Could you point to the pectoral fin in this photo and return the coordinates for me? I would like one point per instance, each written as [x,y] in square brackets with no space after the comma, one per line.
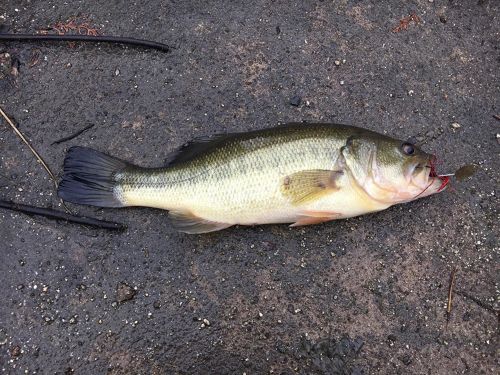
[308,185]
[186,222]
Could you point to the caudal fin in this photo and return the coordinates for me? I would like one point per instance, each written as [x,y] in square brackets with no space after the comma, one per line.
[89,177]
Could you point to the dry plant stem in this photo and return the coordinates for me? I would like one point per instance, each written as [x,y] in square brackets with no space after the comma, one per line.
[37,155]
[450,294]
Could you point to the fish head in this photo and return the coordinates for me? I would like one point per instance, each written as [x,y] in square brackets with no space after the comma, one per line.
[391,171]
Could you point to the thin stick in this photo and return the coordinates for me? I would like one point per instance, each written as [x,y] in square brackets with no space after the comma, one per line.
[74,135]
[497,117]
[37,155]
[53,214]
[84,38]
[450,295]
[39,158]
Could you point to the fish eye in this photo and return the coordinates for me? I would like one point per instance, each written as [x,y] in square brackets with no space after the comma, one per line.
[408,148]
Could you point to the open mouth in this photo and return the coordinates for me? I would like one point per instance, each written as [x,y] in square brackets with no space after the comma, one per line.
[444,179]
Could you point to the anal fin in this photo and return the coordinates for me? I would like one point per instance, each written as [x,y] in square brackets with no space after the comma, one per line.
[186,222]
[314,217]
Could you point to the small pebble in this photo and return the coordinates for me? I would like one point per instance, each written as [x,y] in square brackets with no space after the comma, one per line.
[341,82]
[295,101]
[337,62]
[406,359]
[124,292]
[455,125]
[3,338]
[15,351]
[117,72]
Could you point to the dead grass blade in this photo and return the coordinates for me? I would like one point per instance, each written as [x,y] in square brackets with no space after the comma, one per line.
[23,138]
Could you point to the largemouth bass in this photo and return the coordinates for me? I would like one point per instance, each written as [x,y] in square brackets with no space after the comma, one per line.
[299,173]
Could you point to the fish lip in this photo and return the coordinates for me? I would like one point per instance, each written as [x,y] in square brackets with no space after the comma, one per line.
[445,180]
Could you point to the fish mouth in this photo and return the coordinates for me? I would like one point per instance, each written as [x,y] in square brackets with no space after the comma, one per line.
[433,174]
[426,178]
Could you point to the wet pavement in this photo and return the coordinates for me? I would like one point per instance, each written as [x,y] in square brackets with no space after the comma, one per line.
[361,296]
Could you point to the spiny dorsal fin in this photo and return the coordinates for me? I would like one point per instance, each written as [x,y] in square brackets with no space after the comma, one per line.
[196,147]
[307,185]
[201,145]
[186,222]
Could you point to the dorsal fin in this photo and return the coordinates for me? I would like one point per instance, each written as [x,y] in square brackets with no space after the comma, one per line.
[202,145]
[198,146]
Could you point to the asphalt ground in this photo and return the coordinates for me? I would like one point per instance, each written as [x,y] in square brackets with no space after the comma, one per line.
[361,296]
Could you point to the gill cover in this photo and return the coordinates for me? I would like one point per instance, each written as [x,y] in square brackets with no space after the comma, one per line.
[357,154]
[379,168]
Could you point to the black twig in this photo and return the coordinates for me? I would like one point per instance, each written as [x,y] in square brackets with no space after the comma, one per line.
[74,135]
[53,214]
[84,38]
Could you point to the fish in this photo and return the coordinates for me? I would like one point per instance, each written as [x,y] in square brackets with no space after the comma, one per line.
[300,174]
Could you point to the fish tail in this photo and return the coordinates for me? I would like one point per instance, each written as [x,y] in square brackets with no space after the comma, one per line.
[90,177]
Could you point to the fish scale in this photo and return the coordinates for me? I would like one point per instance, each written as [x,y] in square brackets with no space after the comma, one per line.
[231,189]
